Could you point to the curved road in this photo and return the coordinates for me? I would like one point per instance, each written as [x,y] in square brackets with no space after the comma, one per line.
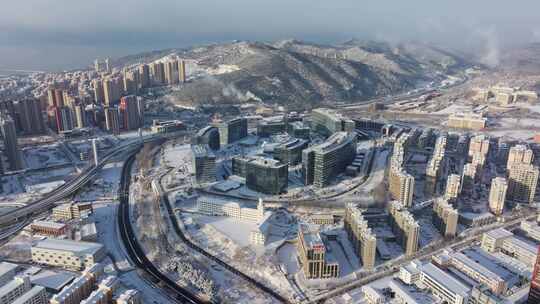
[190,244]
[134,249]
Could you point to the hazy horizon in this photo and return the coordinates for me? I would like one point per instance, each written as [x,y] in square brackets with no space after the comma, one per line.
[60,34]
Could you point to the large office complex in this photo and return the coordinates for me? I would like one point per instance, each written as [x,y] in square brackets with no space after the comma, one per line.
[317,261]
[232,130]
[262,174]
[323,162]
[404,227]
[204,163]
[290,152]
[445,218]
[497,195]
[66,253]
[327,122]
[363,240]
[522,183]
[207,136]
[11,147]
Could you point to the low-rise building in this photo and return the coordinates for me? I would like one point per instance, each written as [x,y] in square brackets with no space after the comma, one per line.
[492,240]
[478,272]
[36,295]
[532,229]
[71,211]
[7,272]
[469,121]
[14,289]
[130,296]
[443,285]
[80,288]
[219,207]
[67,253]
[372,295]
[48,228]
[410,273]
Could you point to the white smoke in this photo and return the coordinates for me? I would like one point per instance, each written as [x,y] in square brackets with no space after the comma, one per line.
[490,53]
[232,91]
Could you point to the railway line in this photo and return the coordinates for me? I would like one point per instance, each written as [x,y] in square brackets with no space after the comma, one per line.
[134,249]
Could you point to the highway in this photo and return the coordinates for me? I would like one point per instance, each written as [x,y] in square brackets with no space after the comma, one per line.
[133,248]
[187,241]
[70,187]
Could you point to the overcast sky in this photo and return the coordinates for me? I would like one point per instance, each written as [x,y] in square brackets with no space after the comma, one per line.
[54,34]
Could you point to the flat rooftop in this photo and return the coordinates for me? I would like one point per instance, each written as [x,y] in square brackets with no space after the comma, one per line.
[75,247]
[51,279]
[49,224]
[6,267]
[26,297]
[444,279]
[499,233]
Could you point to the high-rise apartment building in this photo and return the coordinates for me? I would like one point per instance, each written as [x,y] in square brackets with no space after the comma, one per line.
[401,185]
[445,218]
[144,76]
[81,120]
[522,182]
[11,147]
[204,163]
[112,90]
[182,71]
[321,163]
[112,120]
[405,227]
[63,118]
[157,72]
[497,195]
[362,239]
[131,81]
[317,262]
[435,165]
[519,154]
[479,144]
[453,186]
[99,94]
[469,176]
[131,112]
[171,72]
[30,116]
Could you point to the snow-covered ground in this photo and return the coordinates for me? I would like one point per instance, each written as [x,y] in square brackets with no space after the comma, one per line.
[38,157]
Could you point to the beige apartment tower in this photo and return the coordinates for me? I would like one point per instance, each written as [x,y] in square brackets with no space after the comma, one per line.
[522,182]
[497,195]
[519,154]
[362,239]
[401,186]
[453,186]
